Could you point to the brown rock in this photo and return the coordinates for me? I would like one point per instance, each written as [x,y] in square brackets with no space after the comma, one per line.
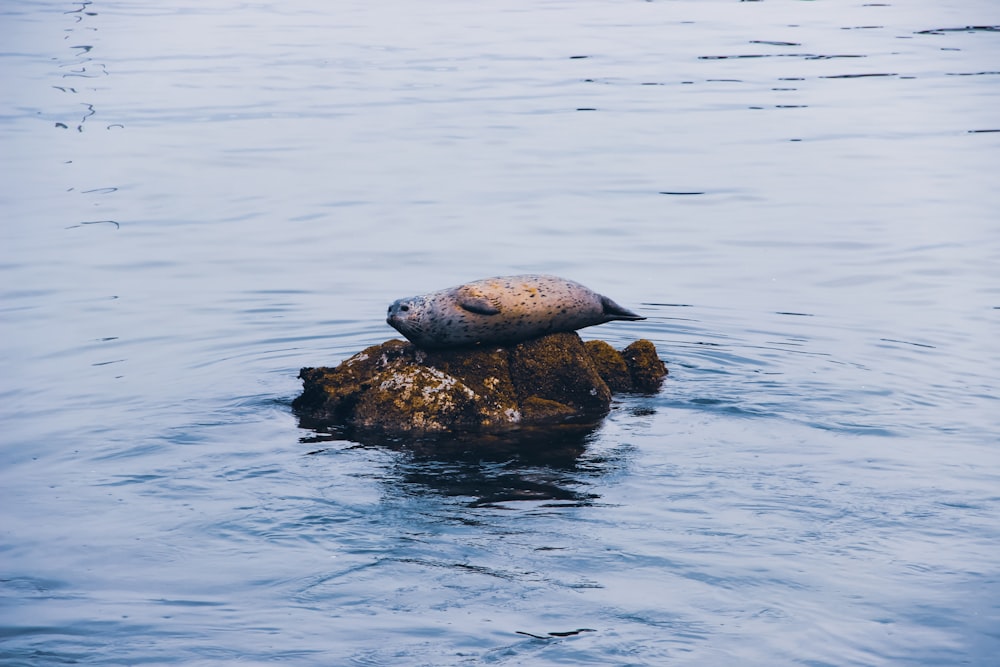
[610,365]
[645,367]
[398,388]
[558,368]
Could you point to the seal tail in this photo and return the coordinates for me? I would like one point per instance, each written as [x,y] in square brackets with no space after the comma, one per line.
[612,311]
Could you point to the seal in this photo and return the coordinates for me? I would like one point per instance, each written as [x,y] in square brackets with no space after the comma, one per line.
[502,310]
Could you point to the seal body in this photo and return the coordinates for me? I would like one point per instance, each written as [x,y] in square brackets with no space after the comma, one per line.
[502,311]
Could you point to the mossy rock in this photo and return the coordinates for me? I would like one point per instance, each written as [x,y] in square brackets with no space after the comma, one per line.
[558,368]
[397,388]
[610,365]
[645,367]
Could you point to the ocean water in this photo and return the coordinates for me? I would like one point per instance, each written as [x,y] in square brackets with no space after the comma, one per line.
[199,199]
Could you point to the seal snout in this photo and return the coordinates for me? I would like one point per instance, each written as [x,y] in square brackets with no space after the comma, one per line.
[399,315]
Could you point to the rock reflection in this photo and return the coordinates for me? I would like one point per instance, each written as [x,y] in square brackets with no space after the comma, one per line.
[553,465]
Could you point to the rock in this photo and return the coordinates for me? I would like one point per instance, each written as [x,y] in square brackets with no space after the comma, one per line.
[611,365]
[644,366]
[557,369]
[397,388]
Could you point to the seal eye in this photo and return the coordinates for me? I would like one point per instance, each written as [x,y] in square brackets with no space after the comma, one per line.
[404,308]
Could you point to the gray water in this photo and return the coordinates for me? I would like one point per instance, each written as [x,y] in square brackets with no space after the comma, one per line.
[200,198]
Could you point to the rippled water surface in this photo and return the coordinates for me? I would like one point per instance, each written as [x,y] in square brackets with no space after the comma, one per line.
[199,198]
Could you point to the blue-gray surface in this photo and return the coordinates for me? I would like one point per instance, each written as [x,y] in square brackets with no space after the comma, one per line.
[198,198]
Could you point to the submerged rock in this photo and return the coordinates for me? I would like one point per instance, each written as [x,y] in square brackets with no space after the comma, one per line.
[398,388]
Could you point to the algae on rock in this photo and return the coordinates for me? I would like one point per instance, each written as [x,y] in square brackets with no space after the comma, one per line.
[396,387]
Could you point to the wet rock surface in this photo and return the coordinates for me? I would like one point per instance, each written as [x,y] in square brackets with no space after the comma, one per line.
[397,388]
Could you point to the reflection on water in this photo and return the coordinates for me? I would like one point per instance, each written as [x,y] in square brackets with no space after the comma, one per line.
[550,464]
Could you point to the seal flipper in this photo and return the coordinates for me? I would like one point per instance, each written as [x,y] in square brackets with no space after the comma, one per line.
[479,305]
[612,311]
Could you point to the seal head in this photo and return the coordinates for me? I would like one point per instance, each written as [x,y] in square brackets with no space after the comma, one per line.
[502,310]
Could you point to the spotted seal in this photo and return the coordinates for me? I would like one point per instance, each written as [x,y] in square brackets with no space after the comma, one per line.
[502,310]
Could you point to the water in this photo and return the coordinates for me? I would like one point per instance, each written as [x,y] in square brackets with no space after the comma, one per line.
[202,198]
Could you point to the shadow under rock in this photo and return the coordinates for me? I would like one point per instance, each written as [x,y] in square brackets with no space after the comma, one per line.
[550,464]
